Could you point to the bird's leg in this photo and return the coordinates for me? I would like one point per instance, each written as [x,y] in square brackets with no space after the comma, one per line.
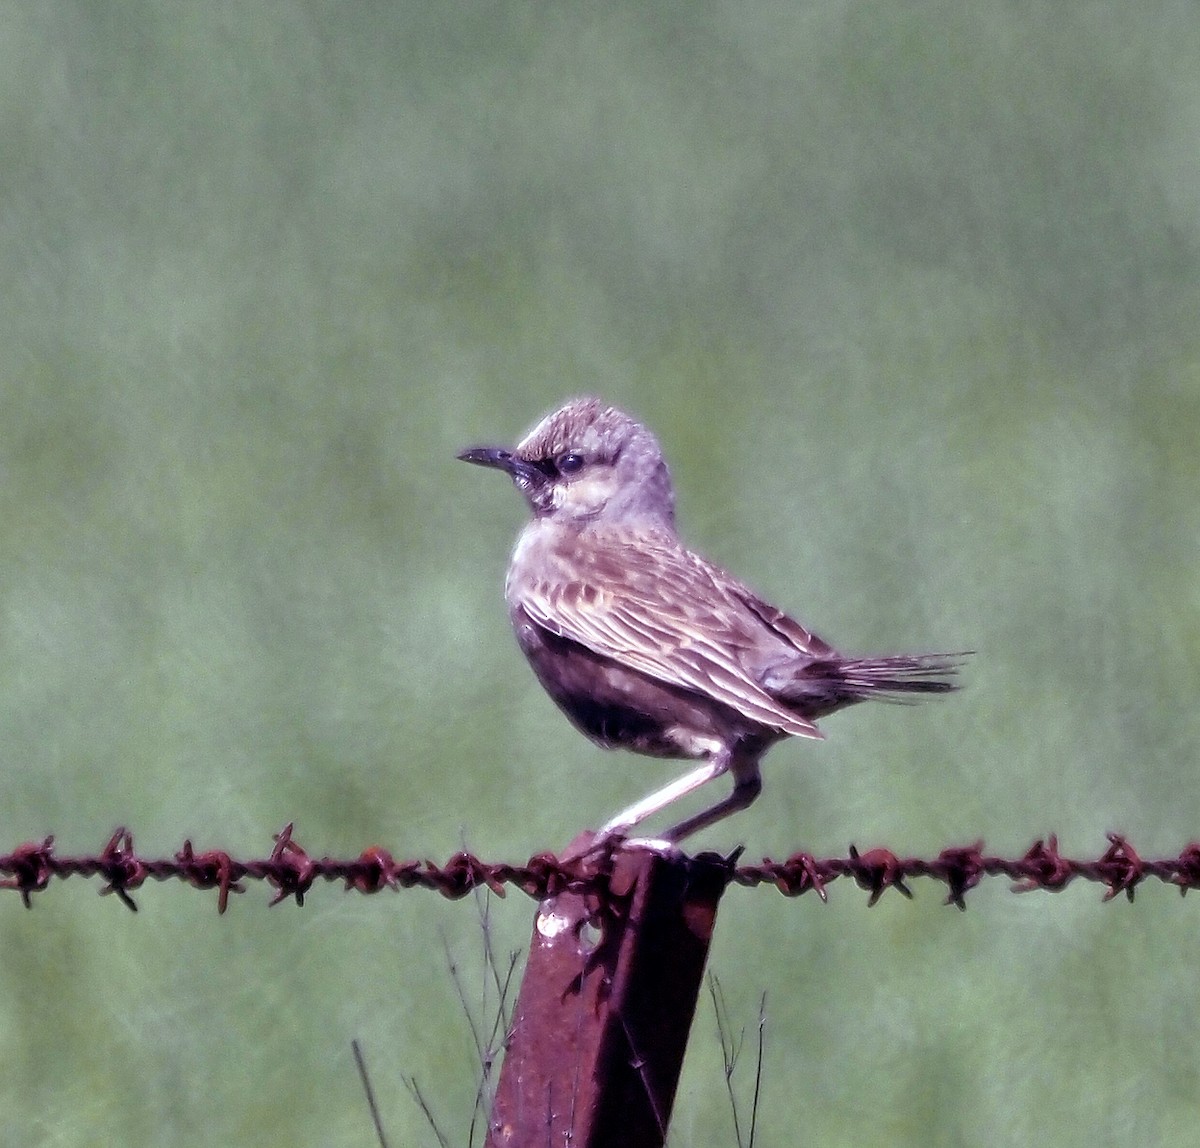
[747,785]
[661,798]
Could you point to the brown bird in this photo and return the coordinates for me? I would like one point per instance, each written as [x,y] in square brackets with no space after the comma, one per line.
[648,646]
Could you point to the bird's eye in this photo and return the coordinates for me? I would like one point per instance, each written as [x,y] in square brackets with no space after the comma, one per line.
[571,463]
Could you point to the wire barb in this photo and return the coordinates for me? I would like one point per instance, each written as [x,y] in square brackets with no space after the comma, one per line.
[289,868]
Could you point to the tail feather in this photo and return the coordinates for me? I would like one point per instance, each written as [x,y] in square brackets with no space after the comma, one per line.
[826,684]
[896,678]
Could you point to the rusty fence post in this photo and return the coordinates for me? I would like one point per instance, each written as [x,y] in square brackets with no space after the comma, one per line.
[602,1018]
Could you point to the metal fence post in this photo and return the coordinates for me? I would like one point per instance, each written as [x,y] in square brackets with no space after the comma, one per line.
[602,1019]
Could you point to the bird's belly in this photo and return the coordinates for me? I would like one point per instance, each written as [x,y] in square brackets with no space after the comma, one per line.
[616,706]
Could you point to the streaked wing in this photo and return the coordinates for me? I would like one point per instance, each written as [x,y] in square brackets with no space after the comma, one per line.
[666,612]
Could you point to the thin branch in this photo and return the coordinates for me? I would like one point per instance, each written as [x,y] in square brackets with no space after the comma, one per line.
[758,1066]
[410,1082]
[730,1051]
[364,1076]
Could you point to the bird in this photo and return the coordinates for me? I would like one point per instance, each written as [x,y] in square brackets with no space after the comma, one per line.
[648,646]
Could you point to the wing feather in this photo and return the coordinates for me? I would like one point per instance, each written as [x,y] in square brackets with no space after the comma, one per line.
[665,612]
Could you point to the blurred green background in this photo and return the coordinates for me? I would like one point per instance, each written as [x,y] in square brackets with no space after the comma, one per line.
[910,294]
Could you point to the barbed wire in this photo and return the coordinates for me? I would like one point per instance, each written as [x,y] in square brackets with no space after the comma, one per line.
[292,872]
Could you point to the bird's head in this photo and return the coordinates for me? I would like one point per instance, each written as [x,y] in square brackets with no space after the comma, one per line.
[587,461]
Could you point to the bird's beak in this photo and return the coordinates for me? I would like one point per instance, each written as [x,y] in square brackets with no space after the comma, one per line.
[499,458]
[494,456]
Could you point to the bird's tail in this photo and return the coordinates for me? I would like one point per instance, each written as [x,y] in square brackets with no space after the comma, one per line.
[826,684]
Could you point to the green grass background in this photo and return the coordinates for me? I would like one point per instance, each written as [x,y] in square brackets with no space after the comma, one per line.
[910,294]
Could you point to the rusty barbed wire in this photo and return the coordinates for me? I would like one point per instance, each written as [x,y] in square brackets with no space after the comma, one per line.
[292,872]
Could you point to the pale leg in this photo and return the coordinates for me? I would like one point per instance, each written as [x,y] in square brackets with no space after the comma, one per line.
[661,798]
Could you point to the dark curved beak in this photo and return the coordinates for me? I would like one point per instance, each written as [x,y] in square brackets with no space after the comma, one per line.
[493,456]
[524,474]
